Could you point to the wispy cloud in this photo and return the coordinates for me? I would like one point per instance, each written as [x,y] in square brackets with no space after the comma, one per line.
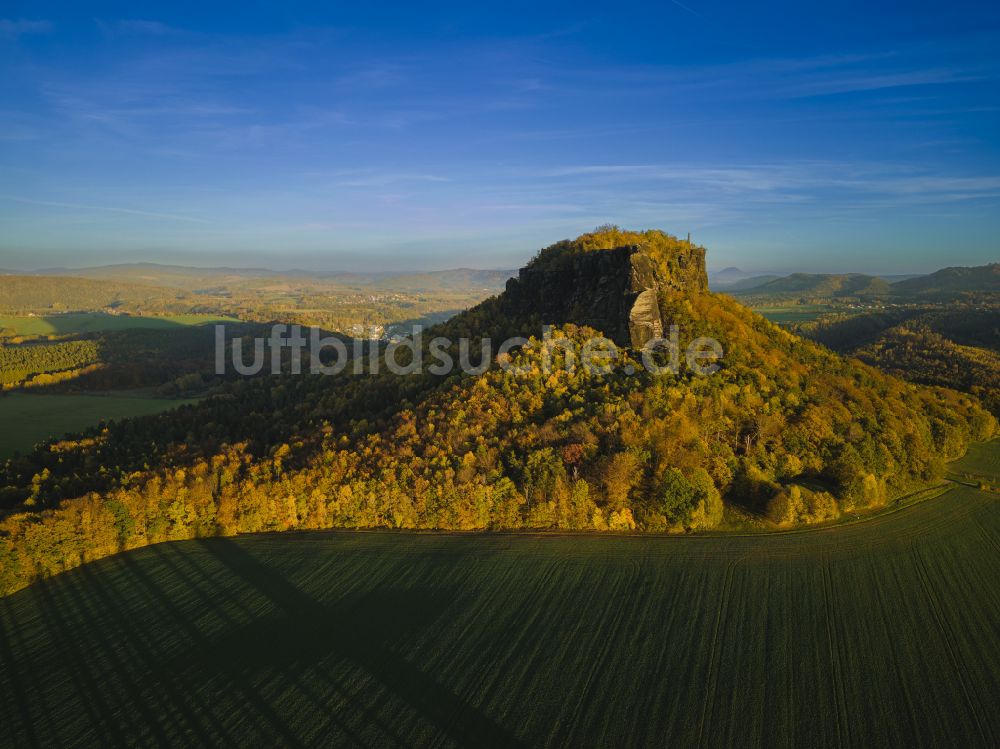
[136,26]
[335,174]
[375,178]
[12,29]
[834,83]
[374,74]
[807,181]
[688,9]
[786,78]
[105,208]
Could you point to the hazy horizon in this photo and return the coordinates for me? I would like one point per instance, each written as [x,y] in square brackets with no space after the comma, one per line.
[277,268]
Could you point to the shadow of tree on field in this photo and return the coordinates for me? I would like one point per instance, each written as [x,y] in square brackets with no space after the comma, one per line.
[218,648]
[358,629]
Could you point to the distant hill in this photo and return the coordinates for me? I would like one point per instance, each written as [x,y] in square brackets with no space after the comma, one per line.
[335,301]
[179,276]
[727,277]
[752,282]
[191,278]
[821,285]
[896,277]
[948,281]
[442,280]
[732,279]
[58,293]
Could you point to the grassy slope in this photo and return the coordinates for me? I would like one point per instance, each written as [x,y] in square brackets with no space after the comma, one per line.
[29,418]
[873,634]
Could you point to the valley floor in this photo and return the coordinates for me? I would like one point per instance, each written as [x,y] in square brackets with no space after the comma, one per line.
[872,634]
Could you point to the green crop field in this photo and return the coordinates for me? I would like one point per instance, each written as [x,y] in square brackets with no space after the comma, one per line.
[981,463]
[794,314]
[28,418]
[874,634]
[92,322]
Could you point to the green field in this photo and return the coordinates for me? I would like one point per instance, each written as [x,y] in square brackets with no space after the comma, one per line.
[874,634]
[794,314]
[981,463]
[28,418]
[92,322]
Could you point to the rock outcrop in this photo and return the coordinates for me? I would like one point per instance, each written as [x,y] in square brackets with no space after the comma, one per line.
[615,291]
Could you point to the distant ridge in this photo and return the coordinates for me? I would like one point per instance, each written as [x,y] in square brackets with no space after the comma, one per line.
[727,277]
[188,277]
[955,280]
[21,293]
[827,285]
[944,282]
[749,283]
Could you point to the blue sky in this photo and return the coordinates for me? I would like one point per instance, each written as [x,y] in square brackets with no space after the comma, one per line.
[784,136]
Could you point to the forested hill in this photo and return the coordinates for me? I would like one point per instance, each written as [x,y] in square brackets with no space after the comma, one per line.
[817,285]
[950,281]
[34,294]
[947,282]
[958,348]
[785,432]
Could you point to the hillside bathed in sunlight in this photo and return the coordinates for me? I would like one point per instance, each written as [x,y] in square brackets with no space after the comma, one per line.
[558,376]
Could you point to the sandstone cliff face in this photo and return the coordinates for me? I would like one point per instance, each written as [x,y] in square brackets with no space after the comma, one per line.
[615,291]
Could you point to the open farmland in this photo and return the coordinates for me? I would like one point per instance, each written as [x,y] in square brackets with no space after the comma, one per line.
[794,314]
[981,463]
[31,418]
[882,632]
[92,322]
